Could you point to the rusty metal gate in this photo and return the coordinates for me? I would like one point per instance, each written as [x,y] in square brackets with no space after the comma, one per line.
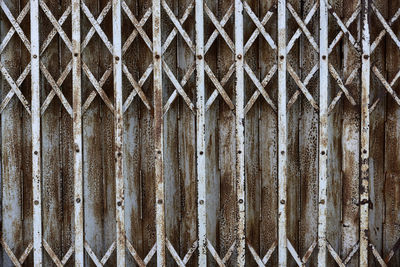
[200,133]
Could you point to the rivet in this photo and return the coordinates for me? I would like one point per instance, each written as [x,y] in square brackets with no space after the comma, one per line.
[78,200]
[157,56]
[201,152]
[239,56]
[36,202]
[119,154]
[365,151]
[35,152]
[323,153]
[239,152]
[323,57]
[281,57]
[159,152]
[282,152]
[199,57]
[201,202]
[322,201]
[283,201]
[366,56]
[240,201]
[119,203]
[34,56]
[159,201]
[76,54]
[117,58]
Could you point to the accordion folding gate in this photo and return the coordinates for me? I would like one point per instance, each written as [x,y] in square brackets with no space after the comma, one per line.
[200,133]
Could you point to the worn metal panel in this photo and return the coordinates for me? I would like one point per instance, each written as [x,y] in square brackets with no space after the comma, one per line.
[203,132]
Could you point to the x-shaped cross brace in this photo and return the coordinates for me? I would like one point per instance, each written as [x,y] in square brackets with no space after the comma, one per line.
[332,70]
[98,84]
[55,85]
[386,25]
[178,28]
[219,29]
[15,85]
[260,85]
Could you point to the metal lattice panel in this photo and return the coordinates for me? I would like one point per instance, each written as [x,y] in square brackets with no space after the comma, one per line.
[189,125]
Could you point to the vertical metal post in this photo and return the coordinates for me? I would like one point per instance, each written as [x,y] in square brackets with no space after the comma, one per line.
[240,193]
[36,153]
[118,131]
[364,183]
[77,133]
[323,132]
[158,134]
[200,135]
[282,135]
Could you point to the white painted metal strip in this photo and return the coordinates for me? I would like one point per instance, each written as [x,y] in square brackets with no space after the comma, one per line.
[158,134]
[323,133]
[240,182]
[118,132]
[282,135]
[364,183]
[200,136]
[77,134]
[36,172]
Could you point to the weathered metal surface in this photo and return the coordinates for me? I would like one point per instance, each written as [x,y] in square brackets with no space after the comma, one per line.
[282,136]
[200,136]
[77,133]
[201,133]
[323,134]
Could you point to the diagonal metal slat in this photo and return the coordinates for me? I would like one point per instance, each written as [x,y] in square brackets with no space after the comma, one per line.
[104,259]
[262,262]
[213,252]
[17,262]
[175,255]
[139,261]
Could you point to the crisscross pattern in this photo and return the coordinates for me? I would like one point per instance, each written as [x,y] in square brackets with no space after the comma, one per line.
[226,132]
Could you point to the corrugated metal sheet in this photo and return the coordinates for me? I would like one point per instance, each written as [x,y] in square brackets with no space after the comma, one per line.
[200,133]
